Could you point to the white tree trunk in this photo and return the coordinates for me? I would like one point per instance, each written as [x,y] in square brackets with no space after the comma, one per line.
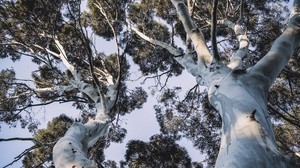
[70,151]
[240,95]
[247,135]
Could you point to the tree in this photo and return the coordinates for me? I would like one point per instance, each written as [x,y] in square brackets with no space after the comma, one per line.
[161,151]
[237,69]
[246,126]
[43,154]
[70,69]
[192,118]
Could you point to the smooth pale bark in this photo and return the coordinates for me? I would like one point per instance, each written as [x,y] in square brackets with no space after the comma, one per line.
[236,61]
[193,32]
[247,135]
[71,150]
[184,60]
[240,97]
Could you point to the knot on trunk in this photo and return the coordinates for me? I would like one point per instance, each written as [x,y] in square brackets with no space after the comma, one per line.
[252,116]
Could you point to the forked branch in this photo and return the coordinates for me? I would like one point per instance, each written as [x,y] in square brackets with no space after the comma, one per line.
[236,61]
[114,87]
[185,60]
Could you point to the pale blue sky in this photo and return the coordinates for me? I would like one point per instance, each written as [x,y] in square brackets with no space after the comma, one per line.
[141,124]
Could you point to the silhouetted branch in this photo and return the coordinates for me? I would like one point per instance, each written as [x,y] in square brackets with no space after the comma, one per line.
[216,55]
[194,88]
[26,151]
[241,17]
[17,158]
[158,79]
[274,111]
[25,139]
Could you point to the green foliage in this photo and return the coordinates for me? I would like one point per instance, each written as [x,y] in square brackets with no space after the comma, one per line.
[115,11]
[110,164]
[12,98]
[284,105]
[42,155]
[161,151]
[287,137]
[192,118]
[28,28]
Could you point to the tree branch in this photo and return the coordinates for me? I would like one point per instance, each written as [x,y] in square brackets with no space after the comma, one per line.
[216,56]
[295,8]
[191,7]
[25,139]
[164,45]
[113,91]
[158,79]
[17,158]
[274,111]
[184,59]
[279,54]
[236,61]
[194,33]
[241,17]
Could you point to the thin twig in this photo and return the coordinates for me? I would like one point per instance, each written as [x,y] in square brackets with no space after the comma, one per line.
[17,158]
[274,111]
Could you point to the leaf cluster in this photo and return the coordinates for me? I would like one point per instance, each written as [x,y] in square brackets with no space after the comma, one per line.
[160,151]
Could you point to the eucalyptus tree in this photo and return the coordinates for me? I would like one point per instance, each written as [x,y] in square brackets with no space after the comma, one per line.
[70,69]
[238,92]
[45,140]
[193,117]
[55,34]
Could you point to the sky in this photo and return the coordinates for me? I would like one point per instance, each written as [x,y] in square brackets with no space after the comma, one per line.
[141,124]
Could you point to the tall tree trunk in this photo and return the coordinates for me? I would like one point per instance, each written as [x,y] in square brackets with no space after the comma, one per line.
[247,134]
[71,150]
[239,95]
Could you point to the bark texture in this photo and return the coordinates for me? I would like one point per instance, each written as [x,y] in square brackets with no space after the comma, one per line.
[70,150]
[247,134]
[240,94]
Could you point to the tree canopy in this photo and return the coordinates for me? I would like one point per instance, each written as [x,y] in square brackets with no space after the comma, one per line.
[62,37]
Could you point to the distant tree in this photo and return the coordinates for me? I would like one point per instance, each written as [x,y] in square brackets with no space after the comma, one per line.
[161,151]
[176,117]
